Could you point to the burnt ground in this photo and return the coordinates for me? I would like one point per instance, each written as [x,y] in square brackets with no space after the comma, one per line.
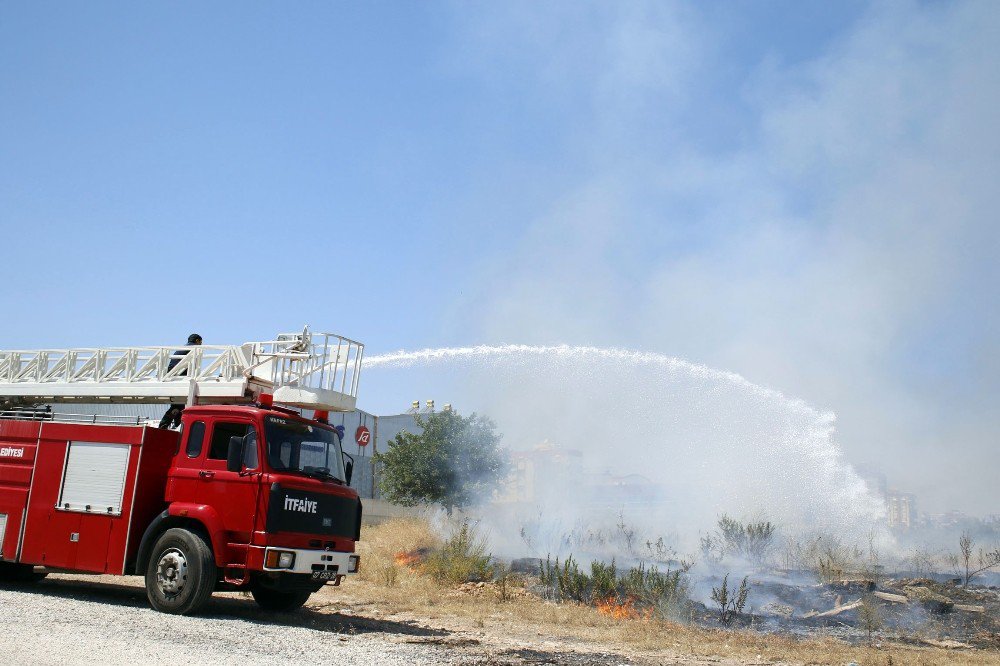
[908,610]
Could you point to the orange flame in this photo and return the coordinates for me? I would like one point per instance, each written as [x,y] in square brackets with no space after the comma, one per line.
[622,610]
[407,559]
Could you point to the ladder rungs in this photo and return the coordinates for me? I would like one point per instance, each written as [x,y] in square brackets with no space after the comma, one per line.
[310,370]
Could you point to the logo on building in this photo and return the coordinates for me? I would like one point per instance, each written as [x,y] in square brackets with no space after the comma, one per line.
[362,436]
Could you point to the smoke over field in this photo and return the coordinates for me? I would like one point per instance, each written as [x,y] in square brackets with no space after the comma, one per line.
[686,442]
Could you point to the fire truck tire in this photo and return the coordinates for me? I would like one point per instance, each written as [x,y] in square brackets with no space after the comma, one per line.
[181,572]
[276,601]
[19,573]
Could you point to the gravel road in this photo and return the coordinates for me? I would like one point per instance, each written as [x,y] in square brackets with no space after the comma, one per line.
[107,620]
[63,621]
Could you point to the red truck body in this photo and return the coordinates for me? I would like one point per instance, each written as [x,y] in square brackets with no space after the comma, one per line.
[108,499]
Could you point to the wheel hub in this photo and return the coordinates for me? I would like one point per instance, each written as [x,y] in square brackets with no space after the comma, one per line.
[171,572]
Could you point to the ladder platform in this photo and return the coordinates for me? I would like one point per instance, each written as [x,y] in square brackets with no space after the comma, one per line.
[308,370]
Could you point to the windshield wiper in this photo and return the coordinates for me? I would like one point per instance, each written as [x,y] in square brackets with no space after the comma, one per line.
[319,472]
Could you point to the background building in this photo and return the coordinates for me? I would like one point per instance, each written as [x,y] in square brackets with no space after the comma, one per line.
[534,472]
[901,509]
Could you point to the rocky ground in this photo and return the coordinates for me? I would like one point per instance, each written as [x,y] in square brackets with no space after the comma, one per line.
[69,619]
[106,620]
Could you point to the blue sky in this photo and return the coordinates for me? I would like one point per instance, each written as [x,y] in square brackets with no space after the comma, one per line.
[192,152]
[802,192]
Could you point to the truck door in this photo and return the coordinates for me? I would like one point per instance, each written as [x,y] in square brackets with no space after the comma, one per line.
[234,495]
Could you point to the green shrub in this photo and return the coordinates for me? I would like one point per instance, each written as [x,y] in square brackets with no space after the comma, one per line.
[666,593]
[870,615]
[730,602]
[573,583]
[504,581]
[461,559]
[603,580]
[753,541]
[547,577]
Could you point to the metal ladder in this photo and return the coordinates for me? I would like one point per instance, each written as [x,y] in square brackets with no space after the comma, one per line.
[309,370]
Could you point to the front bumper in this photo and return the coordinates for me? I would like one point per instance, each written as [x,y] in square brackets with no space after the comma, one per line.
[309,561]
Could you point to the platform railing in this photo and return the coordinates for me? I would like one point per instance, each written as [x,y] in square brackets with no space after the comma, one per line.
[310,360]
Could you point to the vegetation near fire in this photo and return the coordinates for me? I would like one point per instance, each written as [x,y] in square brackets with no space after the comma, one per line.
[461,558]
[844,605]
[730,602]
[641,589]
[455,461]
[970,562]
[753,541]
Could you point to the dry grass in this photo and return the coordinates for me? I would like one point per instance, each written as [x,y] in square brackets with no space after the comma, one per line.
[410,592]
[381,543]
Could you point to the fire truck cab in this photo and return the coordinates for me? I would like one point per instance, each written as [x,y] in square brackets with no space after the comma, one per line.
[249,496]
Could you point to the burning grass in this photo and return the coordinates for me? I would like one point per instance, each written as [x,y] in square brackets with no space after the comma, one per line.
[618,619]
[413,559]
[625,609]
[390,549]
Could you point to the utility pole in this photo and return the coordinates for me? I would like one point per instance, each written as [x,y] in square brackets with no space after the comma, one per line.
[374,451]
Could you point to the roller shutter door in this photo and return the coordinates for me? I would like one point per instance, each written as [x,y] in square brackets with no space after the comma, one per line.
[94,480]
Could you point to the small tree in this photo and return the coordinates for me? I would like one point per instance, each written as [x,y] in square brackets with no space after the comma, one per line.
[730,602]
[754,541]
[870,615]
[973,567]
[455,461]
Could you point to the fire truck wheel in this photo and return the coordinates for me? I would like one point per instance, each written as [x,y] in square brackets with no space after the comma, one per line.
[279,602]
[181,572]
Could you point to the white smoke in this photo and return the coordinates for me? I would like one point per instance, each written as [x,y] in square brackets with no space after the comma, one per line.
[825,225]
[704,442]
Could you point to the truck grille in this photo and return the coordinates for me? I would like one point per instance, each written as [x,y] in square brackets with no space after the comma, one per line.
[327,515]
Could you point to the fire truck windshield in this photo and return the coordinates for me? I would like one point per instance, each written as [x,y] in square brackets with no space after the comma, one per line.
[301,447]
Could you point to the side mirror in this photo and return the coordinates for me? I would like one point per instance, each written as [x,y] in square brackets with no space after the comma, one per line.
[234,457]
[348,468]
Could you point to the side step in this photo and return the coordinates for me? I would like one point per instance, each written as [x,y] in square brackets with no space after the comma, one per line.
[235,574]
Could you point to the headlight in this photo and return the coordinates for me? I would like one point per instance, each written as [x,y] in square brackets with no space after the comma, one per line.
[353,563]
[279,559]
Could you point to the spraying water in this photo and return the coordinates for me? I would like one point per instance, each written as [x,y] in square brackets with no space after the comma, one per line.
[668,444]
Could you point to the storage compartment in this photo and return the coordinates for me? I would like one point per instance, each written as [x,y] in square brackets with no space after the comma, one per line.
[88,510]
[81,497]
[94,478]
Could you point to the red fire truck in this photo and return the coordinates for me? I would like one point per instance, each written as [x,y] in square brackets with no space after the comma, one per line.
[250,494]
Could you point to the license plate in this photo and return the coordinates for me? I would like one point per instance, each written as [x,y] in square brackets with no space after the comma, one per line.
[324,575]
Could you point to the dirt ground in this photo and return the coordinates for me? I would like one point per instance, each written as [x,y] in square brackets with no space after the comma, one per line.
[73,619]
[481,629]
[410,622]
[394,585]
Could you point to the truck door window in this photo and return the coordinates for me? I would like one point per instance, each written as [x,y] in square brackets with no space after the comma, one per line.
[196,437]
[285,454]
[221,432]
